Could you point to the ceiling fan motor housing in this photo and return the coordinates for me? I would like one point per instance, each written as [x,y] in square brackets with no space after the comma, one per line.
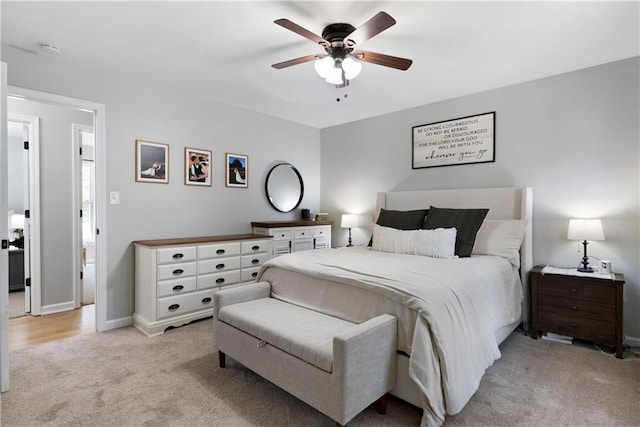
[335,34]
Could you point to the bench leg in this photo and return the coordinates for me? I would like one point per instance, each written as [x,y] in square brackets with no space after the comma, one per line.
[381,405]
[222,359]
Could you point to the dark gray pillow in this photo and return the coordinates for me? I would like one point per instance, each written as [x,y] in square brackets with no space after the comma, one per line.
[467,222]
[401,220]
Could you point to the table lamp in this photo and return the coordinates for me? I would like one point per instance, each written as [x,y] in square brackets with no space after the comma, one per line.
[585,229]
[349,221]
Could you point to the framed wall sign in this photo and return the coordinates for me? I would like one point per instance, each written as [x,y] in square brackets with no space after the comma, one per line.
[455,142]
[152,162]
[237,170]
[197,166]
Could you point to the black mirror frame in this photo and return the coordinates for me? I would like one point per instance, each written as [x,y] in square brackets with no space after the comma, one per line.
[266,186]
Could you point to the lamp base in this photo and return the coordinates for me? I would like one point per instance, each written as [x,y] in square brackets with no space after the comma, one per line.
[585,269]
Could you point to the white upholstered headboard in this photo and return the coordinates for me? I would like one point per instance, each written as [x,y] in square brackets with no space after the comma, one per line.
[503,203]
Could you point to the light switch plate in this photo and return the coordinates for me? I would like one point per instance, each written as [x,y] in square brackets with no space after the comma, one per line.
[114,197]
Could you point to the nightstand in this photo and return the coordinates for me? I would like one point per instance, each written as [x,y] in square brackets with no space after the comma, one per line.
[582,307]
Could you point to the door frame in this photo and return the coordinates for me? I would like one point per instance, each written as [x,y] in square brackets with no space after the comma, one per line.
[99,127]
[32,202]
[4,235]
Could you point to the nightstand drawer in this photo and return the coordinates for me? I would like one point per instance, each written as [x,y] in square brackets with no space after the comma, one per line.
[587,329]
[579,289]
[576,307]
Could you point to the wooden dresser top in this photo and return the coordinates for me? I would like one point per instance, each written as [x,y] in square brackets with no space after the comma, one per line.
[196,240]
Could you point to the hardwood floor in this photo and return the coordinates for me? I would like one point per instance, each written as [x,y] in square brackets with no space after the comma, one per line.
[28,331]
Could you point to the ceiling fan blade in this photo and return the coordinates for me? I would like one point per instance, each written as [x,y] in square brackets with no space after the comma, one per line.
[385,60]
[374,26]
[292,26]
[296,61]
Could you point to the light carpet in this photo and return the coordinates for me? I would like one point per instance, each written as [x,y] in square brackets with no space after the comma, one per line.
[122,378]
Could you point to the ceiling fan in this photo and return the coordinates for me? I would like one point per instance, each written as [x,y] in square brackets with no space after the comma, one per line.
[341,62]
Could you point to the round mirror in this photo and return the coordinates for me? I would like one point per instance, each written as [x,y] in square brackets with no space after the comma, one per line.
[284,187]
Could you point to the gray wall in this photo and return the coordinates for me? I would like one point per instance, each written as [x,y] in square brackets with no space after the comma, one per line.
[574,138]
[140,110]
[56,191]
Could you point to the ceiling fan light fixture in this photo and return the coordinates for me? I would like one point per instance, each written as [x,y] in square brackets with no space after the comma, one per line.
[351,68]
[324,66]
[335,76]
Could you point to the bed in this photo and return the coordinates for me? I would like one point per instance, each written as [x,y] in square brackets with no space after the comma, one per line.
[452,312]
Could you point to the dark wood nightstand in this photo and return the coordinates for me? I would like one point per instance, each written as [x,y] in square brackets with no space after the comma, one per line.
[582,307]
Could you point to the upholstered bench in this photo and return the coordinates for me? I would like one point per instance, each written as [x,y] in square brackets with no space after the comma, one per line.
[337,367]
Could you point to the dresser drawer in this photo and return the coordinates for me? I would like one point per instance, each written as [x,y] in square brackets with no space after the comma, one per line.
[214,265]
[321,243]
[586,329]
[176,286]
[256,260]
[215,280]
[577,307]
[218,250]
[256,247]
[174,271]
[177,254]
[584,290]
[249,274]
[281,234]
[303,233]
[183,304]
[321,231]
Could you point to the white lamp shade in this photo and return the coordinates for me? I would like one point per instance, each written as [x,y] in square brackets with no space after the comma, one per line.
[349,221]
[351,68]
[323,66]
[585,229]
[335,76]
[17,221]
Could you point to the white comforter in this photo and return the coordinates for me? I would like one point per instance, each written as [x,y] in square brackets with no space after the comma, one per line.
[453,342]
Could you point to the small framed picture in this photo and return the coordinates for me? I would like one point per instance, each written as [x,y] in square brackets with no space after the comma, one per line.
[237,170]
[197,166]
[152,162]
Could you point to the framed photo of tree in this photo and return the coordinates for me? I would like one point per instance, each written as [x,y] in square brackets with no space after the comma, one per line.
[197,166]
[152,162]
[237,170]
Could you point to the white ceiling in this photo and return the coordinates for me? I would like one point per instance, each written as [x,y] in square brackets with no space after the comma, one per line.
[223,50]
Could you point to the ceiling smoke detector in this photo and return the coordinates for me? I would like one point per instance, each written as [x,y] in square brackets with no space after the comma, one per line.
[50,49]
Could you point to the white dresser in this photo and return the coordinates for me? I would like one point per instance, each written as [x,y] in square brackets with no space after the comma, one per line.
[176,278]
[293,236]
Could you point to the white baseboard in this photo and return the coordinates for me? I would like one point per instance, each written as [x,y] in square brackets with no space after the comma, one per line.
[632,341]
[118,323]
[56,308]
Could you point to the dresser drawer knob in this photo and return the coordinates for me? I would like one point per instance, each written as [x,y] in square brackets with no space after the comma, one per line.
[178,271]
[174,306]
[220,251]
[255,248]
[220,280]
[255,261]
[178,287]
[254,274]
[219,266]
[206,300]
[177,256]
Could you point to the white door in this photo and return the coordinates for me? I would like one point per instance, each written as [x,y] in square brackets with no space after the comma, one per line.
[4,236]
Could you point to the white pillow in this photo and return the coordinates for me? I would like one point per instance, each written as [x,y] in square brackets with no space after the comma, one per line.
[438,243]
[501,237]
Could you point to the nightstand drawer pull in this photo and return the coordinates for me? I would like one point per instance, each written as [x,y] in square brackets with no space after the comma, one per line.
[261,343]
[220,280]
[574,290]
[178,256]
[573,307]
[220,266]
[255,248]
[220,251]
[178,288]
[206,300]
[574,325]
[174,306]
[178,271]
